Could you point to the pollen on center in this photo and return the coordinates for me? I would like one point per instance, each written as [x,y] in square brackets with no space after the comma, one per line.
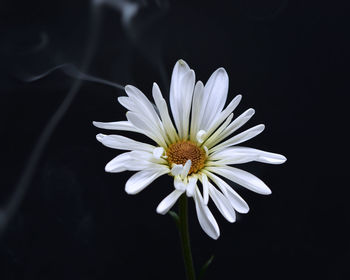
[182,151]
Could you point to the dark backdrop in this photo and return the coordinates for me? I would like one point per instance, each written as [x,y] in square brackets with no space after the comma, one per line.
[74,221]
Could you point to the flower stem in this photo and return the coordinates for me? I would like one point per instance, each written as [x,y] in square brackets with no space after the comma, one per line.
[185,238]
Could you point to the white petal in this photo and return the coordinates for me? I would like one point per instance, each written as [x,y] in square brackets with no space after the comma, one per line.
[216,89]
[142,104]
[196,109]
[192,183]
[188,88]
[184,100]
[222,204]
[205,184]
[118,163]
[205,217]
[135,161]
[239,138]
[236,155]
[168,202]
[142,155]
[235,199]
[231,107]
[206,150]
[226,157]
[158,152]
[235,125]
[139,164]
[148,128]
[179,71]
[200,136]
[176,169]
[100,136]
[242,178]
[262,156]
[142,179]
[121,125]
[126,102]
[272,158]
[186,168]
[224,114]
[123,143]
[164,113]
[213,138]
[179,184]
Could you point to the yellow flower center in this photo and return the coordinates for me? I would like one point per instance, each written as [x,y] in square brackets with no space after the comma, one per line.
[182,151]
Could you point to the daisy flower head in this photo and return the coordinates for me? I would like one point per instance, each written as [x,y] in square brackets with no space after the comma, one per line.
[195,146]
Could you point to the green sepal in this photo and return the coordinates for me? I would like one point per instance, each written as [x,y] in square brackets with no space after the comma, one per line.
[205,267]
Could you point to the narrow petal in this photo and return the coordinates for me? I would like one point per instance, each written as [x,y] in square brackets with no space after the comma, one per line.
[184,99]
[126,102]
[235,199]
[222,204]
[148,128]
[205,184]
[188,82]
[123,143]
[142,179]
[200,136]
[216,89]
[215,135]
[118,163]
[224,114]
[243,178]
[229,156]
[164,113]
[158,152]
[179,184]
[168,202]
[196,109]
[230,129]
[147,156]
[176,169]
[186,168]
[139,164]
[192,183]
[235,125]
[180,70]
[205,217]
[239,138]
[135,161]
[121,125]
[236,155]
[142,103]
[262,156]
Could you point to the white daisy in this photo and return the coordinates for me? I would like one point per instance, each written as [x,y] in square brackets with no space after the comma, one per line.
[196,151]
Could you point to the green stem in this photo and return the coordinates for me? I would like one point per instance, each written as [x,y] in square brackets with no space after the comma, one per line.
[185,238]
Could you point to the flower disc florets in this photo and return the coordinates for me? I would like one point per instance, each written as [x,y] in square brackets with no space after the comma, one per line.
[180,152]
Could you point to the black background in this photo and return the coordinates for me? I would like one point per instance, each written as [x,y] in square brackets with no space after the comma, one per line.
[289,61]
